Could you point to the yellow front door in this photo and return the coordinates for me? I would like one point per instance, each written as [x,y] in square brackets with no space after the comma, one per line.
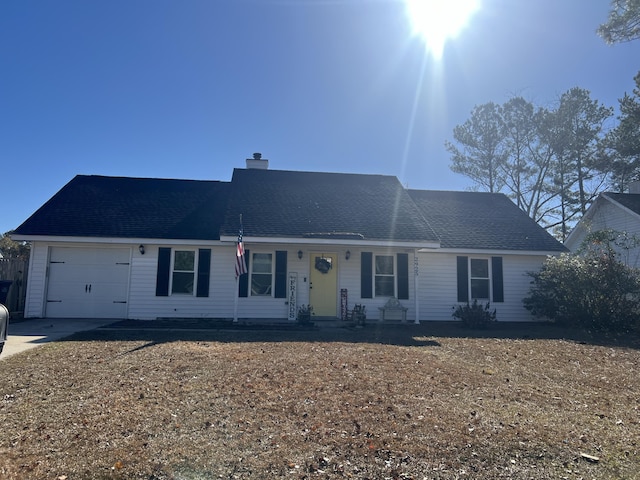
[323,284]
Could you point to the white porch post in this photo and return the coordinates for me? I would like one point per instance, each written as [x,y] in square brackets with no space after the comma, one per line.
[415,286]
[235,302]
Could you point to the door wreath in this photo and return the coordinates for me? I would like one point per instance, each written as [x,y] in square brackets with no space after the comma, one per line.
[323,265]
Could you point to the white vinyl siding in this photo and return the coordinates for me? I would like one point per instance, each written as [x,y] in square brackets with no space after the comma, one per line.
[609,216]
[36,287]
[438,286]
[437,291]
[145,305]
[349,278]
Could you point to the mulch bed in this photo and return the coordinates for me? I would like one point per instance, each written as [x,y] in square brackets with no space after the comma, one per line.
[210,324]
[398,402]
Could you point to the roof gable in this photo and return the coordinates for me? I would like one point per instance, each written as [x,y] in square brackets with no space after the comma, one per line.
[279,203]
[625,204]
[98,206]
[482,220]
[630,201]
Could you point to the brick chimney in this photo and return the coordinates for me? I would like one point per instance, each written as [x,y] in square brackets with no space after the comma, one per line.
[257,162]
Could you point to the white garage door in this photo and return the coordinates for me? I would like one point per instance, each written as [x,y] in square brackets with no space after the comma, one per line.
[88,282]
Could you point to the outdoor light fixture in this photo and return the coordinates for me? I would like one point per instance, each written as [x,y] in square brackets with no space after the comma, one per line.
[347,255]
[300,254]
[141,249]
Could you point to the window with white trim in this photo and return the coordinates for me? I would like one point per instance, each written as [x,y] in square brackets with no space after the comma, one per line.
[183,273]
[479,278]
[384,277]
[261,274]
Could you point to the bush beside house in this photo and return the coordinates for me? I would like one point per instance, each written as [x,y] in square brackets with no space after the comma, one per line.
[594,291]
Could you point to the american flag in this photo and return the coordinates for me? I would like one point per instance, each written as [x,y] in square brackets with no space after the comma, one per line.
[241,264]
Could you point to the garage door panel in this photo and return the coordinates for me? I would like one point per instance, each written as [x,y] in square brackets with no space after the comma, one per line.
[78,309]
[89,256]
[67,274]
[88,282]
[58,290]
[109,291]
[88,273]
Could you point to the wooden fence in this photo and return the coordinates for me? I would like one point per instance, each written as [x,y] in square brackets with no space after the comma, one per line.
[16,271]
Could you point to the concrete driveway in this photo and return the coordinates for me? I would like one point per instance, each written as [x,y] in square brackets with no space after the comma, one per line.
[27,334]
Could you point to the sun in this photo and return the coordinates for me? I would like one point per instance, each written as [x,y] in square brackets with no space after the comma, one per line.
[436,21]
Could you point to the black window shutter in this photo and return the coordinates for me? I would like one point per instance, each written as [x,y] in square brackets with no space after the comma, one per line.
[162,276]
[243,282]
[366,275]
[280,290]
[403,276]
[497,279]
[204,268]
[463,279]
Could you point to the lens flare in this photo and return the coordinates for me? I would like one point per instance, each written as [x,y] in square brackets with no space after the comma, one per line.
[437,21]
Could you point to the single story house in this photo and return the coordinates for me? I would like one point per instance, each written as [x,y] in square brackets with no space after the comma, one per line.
[618,212]
[147,248]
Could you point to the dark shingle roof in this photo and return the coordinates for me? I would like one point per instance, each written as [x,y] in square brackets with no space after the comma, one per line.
[97,206]
[279,203]
[482,220]
[628,200]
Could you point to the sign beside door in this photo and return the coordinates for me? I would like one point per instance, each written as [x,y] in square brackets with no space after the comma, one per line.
[292,288]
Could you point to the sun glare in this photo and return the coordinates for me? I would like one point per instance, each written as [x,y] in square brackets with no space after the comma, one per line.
[436,21]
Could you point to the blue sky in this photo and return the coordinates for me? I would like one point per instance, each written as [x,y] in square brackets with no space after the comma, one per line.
[190,88]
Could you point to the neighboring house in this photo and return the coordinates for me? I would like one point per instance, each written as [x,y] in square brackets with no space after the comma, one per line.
[142,248]
[618,212]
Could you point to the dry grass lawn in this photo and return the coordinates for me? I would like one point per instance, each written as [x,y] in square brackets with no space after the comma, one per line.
[380,402]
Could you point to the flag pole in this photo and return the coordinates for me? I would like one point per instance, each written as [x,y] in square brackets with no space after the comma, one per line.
[241,269]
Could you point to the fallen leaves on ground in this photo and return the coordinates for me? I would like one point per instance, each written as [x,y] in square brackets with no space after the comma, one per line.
[379,402]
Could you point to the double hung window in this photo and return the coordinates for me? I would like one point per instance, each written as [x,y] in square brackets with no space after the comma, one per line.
[384,275]
[261,274]
[385,280]
[479,278]
[183,275]
[182,272]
